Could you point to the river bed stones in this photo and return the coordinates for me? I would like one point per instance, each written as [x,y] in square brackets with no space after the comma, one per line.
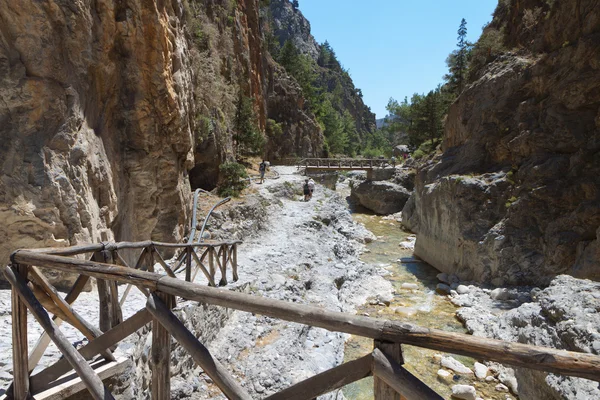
[455,365]
[464,392]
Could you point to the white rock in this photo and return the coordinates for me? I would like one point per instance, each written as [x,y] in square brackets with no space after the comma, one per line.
[491,379]
[442,288]
[480,370]
[462,289]
[500,294]
[455,365]
[437,357]
[444,375]
[409,286]
[406,311]
[501,388]
[464,392]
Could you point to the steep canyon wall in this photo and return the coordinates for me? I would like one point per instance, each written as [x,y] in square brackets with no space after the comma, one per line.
[111,111]
[515,197]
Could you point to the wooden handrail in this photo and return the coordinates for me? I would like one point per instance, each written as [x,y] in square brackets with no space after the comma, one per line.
[92,248]
[521,355]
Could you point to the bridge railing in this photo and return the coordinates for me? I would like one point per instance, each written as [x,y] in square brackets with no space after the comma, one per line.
[344,163]
[30,292]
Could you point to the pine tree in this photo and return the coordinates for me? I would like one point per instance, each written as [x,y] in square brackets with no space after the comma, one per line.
[247,136]
[295,4]
[461,61]
[458,61]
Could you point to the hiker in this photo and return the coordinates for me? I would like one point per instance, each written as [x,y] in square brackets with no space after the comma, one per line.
[394,161]
[311,187]
[306,188]
[262,168]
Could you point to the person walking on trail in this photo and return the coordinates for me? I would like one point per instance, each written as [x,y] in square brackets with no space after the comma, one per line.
[311,187]
[262,168]
[306,189]
[393,161]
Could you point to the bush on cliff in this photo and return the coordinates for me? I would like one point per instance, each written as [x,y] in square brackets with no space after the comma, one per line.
[232,179]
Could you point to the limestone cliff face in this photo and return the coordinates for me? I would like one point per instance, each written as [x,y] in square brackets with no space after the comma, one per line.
[111,111]
[94,121]
[515,198]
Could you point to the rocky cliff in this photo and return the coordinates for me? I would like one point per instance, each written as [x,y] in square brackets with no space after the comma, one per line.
[515,197]
[111,111]
[289,24]
[95,122]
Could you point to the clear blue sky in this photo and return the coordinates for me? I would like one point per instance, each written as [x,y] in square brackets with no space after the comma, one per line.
[394,48]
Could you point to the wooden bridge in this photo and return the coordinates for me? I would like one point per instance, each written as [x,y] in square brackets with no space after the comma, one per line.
[344,164]
[103,262]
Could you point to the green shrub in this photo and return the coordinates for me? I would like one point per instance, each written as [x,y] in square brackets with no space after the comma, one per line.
[232,179]
[273,129]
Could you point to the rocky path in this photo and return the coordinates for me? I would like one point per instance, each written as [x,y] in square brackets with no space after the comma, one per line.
[305,252]
[308,254]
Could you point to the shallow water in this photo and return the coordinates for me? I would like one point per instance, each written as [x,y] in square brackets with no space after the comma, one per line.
[421,306]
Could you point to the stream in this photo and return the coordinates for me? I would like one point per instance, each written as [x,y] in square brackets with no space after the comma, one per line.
[419,305]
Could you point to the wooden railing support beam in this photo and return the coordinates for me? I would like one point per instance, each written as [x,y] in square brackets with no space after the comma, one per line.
[381,390]
[199,353]
[41,380]
[85,372]
[327,381]
[398,379]
[161,354]
[19,339]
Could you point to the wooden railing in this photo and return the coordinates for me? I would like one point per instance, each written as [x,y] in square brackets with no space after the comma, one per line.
[30,291]
[344,163]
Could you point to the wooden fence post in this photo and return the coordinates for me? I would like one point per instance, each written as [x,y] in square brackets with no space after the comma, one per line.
[104,297]
[161,356]
[223,281]
[234,265]
[211,262]
[19,339]
[380,389]
[188,263]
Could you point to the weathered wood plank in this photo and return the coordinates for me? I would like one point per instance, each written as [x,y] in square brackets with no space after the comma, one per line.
[223,281]
[68,313]
[521,355]
[201,267]
[327,381]
[211,264]
[199,353]
[44,340]
[92,248]
[188,264]
[234,264]
[398,378]
[19,339]
[163,264]
[85,372]
[41,380]
[381,390]
[104,297]
[161,353]
[90,268]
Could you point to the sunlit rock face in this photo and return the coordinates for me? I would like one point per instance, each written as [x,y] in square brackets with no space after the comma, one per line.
[515,198]
[95,102]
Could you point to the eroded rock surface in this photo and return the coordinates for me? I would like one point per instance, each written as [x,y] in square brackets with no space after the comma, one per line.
[515,198]
[566,315]
[94,119]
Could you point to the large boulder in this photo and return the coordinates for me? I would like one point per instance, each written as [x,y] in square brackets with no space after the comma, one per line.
[381,197]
